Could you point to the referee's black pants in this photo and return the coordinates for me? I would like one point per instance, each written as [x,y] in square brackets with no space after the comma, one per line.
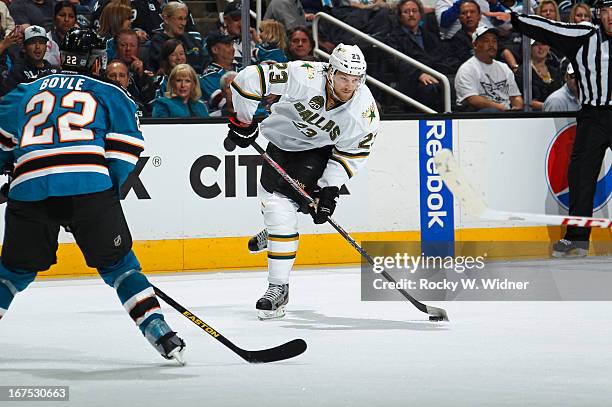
[593,138]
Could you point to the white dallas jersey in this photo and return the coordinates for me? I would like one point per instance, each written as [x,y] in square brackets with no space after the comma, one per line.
[300,119]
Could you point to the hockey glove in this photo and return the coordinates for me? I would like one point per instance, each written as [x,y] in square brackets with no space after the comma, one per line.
[241,134]
[326,204]
[4,191]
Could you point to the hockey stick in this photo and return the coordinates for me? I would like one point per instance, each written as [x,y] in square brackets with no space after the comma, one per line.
[473,203]
[285,351]
[436,314]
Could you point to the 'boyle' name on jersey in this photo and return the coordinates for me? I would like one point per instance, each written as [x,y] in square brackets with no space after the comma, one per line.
[68,134]
[301,120]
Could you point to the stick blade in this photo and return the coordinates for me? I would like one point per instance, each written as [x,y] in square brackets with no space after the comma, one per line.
[282,352]
[455,180]
[439,313]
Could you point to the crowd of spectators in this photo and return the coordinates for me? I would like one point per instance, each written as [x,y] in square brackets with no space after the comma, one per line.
[171,69]
[445,39]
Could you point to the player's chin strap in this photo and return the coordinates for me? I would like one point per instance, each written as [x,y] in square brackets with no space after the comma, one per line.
[436,314]
[330,82]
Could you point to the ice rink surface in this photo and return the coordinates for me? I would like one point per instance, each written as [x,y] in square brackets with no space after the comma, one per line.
[76,333]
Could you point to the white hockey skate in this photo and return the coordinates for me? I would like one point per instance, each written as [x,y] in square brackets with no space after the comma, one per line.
[273,303]
[259,242]
[165,341]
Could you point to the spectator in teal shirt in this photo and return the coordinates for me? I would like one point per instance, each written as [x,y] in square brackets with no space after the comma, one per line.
[182,98]
[221,49]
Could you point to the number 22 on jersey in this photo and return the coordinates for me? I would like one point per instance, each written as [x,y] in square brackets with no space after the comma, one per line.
[70,126]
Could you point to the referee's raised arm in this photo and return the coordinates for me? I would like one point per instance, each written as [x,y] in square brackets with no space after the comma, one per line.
[566,37]
[585,45]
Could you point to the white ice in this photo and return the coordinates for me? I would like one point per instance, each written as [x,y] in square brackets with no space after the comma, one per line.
[75,333]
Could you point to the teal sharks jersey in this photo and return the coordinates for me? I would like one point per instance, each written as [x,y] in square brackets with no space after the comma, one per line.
[68,134]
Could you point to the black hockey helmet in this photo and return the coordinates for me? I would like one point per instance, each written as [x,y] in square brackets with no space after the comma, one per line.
[81,48]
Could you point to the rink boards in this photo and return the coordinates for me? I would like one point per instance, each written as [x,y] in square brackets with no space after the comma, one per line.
[193,203]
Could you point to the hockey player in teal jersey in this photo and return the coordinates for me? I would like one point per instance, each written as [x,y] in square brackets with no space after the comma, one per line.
[73,140]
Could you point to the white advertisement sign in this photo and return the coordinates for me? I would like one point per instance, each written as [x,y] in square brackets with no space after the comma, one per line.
[191,183]
[194,184]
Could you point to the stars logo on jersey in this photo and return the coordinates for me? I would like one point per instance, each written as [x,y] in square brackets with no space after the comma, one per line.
[370,113]
[310,74]
[316,103]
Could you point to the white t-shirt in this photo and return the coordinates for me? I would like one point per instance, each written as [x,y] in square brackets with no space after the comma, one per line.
[494,81]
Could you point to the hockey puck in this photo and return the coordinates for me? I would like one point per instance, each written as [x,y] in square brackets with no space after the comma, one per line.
[434,318]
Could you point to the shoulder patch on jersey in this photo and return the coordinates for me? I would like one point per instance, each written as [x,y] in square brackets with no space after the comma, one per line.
[310,73]
[370,113]
[316,102]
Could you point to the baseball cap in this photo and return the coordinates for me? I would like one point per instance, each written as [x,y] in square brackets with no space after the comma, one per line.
[215,37]
[34,31]
[532,42]
[482,30]
[233,9]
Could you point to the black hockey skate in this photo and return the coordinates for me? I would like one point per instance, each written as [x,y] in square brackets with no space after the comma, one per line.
[171,347]
[165,341]
[567,248]
[273,302]
[259,242]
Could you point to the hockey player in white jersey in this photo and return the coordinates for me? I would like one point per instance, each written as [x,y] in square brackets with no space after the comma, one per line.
[320,131]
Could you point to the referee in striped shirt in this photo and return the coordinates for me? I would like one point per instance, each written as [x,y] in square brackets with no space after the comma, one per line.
[588,48]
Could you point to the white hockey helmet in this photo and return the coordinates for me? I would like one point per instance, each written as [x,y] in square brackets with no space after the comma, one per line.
[348,59]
